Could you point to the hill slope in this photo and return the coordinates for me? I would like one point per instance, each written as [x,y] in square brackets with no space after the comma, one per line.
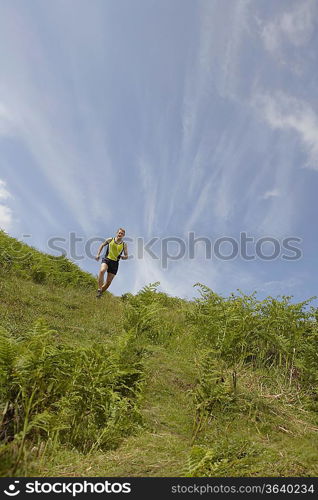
[151,385]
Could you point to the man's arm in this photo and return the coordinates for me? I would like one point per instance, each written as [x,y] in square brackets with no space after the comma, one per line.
[125,256]
[101,247]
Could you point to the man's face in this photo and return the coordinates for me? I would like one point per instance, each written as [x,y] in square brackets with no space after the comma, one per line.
[120,233]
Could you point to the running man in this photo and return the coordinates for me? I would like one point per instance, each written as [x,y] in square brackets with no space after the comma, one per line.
[116,249]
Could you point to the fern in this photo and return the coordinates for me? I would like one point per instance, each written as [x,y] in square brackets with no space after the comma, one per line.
[82,397]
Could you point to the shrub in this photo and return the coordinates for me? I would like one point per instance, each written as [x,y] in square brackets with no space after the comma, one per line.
[85,398]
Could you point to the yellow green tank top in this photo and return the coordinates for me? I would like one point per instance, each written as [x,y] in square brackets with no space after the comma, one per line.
[114,249]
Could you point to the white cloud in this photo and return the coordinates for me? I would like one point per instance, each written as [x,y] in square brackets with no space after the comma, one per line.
[211,73]
[182,274]
[271,194]
[199,207]
[36,106]
[6,216]
[7,121]
[149,191]
[284,286]
[216,62]
[294,27]
[148,271]
[283,112]
[4,193]
[177,280]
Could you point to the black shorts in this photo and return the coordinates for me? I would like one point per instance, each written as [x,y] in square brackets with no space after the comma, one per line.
[112,265]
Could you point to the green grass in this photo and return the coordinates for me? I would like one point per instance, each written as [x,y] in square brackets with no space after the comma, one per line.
[153,385]
[161,446]
[74,312]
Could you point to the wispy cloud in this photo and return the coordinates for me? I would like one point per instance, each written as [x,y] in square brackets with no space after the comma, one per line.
[179,278]
[294,26]
[286,286]
[272,193]
[6,214]
[211,74]
[288,36]
[284,112]
[148,184]
[36,109]
[7,121]
[165,119]
[200,205]
[4,193]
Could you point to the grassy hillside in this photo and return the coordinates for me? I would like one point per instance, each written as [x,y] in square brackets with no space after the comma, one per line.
[26,262]
[150,385]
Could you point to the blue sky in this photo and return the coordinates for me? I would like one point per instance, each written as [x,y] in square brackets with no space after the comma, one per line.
[163,117]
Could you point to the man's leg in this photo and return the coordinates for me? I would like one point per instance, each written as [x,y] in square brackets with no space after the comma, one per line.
[109,279]
[102,271]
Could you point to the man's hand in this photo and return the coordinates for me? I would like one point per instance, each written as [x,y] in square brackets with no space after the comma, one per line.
[124,255]
[97,257]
